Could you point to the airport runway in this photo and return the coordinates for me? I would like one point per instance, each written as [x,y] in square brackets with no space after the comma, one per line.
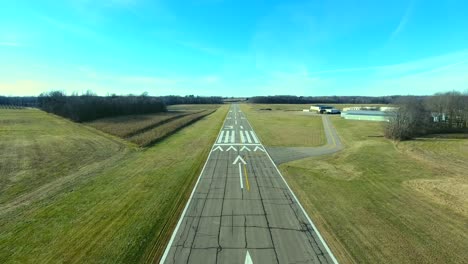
[242,210]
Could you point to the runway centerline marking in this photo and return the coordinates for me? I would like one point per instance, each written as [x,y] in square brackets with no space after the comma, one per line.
[240,176]
[246,178]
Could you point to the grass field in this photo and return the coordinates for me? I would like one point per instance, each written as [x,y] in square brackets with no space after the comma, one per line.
[110,202]
[145,130]
[126,126]
[378,202]
[159,132]
[33,142]
[282,128]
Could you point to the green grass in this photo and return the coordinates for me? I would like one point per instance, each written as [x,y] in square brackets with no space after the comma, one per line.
[280,128]
[125,126]
[377,202]
[113,212]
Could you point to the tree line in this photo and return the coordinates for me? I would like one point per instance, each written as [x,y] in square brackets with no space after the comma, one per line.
[25,101]
[89,106]
[290,99]
[191,99]
[440,113]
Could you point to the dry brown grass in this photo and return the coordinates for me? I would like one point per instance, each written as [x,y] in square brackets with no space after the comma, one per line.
[108,204]
[126,126]
[157,133]
[377,202]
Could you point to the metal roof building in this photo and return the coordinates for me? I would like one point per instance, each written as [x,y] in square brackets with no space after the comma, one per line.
[367,115]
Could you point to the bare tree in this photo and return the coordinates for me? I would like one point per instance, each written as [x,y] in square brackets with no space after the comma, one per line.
[410,119]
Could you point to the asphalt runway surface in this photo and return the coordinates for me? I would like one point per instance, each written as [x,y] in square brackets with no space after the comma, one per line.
[242,210]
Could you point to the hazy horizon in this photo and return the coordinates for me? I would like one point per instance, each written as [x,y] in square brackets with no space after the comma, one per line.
[234,48]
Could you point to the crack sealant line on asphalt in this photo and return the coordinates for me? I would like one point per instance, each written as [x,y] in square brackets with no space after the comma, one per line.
[174,233]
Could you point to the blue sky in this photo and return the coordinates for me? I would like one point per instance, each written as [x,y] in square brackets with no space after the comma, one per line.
[234,48]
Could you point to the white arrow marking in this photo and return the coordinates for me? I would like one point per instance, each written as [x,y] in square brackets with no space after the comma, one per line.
[244,147]
[218,147]
[257,147]
[242,127]
[231,147]
[239,158]
[248,259]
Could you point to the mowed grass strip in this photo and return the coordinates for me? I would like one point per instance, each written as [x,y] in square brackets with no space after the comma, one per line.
[157,133]
[125,213]
[126,126]
[40,152]
[377,202]
[282,128]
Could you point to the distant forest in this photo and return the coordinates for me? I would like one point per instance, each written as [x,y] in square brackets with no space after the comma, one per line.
[289,99]
[89,106]
[440,113]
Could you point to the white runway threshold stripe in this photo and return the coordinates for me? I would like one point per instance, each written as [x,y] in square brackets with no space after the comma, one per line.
[220,138]
[226,138]
[242,136]
[248,137]
[233,136]
[254,137]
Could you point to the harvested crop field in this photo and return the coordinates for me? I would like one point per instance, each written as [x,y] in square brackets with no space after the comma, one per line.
[126,126]
[144,130]
[159,132]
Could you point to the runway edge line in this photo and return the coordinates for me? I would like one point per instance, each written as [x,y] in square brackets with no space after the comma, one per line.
[181,218]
